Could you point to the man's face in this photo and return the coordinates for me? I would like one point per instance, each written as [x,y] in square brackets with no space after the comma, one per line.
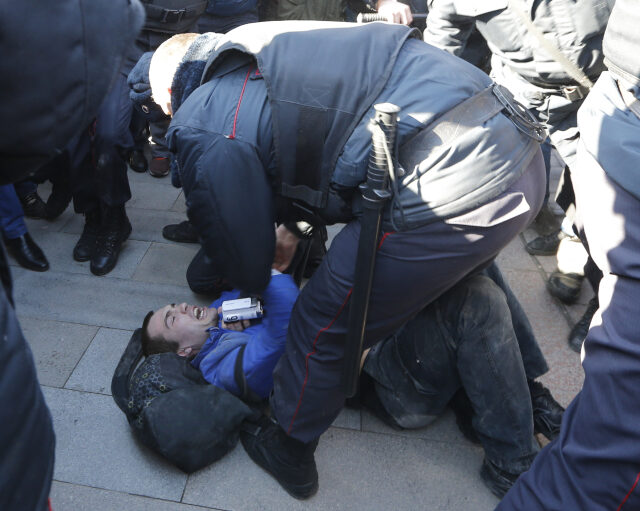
[185,324]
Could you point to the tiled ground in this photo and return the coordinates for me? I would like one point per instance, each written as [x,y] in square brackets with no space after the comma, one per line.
[78,326]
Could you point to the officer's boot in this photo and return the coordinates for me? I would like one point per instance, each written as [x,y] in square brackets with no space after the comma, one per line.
[115,229]
[86,246]
[289,461]
[581,328]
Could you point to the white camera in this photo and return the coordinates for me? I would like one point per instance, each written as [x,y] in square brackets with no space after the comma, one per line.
[242,308]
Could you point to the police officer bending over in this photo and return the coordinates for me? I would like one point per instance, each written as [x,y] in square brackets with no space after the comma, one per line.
[260,138]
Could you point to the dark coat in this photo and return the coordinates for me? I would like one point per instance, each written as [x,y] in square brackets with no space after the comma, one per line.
[56,68]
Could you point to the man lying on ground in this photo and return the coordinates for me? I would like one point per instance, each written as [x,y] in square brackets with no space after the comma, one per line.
[463,344]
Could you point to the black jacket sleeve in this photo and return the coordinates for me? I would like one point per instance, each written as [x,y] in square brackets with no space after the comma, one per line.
[231,205]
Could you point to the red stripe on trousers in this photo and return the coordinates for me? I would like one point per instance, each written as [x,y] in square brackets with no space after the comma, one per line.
[315,340]
[629,494]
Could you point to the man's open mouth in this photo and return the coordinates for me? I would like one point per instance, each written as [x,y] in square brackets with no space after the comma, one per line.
[199,312]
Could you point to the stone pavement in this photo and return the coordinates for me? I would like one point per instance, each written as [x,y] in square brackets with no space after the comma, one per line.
[78,325]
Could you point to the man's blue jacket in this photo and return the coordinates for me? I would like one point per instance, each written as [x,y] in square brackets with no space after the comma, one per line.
[264,342]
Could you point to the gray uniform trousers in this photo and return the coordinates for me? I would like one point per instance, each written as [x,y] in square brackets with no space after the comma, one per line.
[595,462]
[412,269]
[551,108]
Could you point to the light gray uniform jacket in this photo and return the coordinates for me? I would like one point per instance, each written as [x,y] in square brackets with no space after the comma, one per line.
[538,81]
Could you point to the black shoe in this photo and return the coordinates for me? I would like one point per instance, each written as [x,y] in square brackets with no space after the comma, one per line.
[86,246]
[547,412]
[184,232]
[288,460]
[25,251]
[579,331]
[463,410]
[137,161]
[565,286]
[58,201]
[496,479]
[33,205]
[545,245]
[115,229]
[546,222]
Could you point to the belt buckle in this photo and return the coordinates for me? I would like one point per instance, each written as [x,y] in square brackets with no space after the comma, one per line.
[519,115]
[173,15]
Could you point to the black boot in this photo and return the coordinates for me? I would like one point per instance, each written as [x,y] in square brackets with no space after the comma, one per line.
[496,479]
[547,412]
[565,286]
[25,251]
[86,246]
[33,205]
[58,200]
[115,229]
[545,245]
[184,232]
[546,222]
[288,460]
[137,161]
[463,410]
[579,331]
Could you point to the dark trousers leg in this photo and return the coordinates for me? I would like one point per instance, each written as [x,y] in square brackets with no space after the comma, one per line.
[535,364]
[203,278]
[98,167]
[12,222]
[412,269]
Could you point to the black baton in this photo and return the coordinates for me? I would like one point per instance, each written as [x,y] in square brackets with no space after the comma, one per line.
[375,193]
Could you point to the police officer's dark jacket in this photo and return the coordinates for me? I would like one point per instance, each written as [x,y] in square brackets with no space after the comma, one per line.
[280,126]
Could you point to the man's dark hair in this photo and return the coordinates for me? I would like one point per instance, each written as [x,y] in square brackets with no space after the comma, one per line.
[151,346]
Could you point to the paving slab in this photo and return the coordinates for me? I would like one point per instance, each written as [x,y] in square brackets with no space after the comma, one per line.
[166,263]
[57,347]
[152,195]
[356,471]
[348,418]
[90,300]
[515,257]
[551,328]
[180,205]
[58,248]
[36,226]
[442,429]
[74,497]
[95,447]
[95,369]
